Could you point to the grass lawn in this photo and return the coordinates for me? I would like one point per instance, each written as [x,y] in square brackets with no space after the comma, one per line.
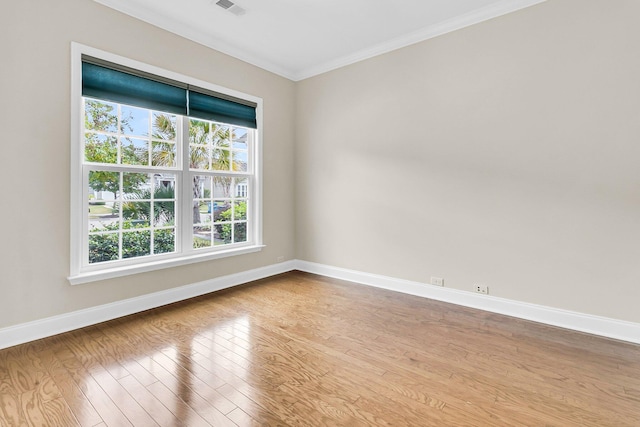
[99,209]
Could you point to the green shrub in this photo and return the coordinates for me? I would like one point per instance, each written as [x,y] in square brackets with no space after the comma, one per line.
[104,247]
[163,241]
[224,230]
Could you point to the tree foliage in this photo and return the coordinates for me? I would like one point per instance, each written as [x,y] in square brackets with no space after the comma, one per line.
[163,209]
[101,146]
[209,149]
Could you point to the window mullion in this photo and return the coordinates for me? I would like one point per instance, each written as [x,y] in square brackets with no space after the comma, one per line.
[253,218]
[119,200]
[119,135]
[186,193]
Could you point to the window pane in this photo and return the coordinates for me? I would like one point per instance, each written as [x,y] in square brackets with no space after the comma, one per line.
[240,211]
[136,243]
[136,185]
[164,241]
[136,214]
[198,131]
[240,138]
[209,144]
[100,148]
[241,188]
[202,186]
[222,210]
[240,232]
[104,184]
[199,157]
[222,187]
[204,216]
[164,186]
[240,161]
[221,142]
[201,236]
[101,214]
[100,116]
[201,191]
[103,247]
[134,151]
[199,140]
[220,135]
[134,121]
[222,234]
[164,126]
[163,213]
[220,159]
[164,154]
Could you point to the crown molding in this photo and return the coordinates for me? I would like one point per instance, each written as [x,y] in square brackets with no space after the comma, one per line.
[475,17]
[494,10]
[200,37]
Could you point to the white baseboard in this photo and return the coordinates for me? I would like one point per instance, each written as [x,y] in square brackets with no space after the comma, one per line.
[603,326]
[25,332]
[611,328]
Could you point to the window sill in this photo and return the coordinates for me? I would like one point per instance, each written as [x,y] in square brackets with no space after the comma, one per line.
[109,273]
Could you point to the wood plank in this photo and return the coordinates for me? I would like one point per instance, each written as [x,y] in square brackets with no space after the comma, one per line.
[203,383]
[149,402]
[80,406]
[32,384]
[10,407]
[58,413]
[242,419]
[100,400]
[181,384]
[267,411]
[298,349]
[176,405]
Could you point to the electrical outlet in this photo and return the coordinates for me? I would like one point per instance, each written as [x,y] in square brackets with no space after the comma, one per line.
[481,289]
[280,258]
[437,281]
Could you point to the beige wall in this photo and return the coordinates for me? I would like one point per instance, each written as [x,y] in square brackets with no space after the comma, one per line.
[506,153]
[35,37]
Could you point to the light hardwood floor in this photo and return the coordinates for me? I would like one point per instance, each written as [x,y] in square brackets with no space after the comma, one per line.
[302,350]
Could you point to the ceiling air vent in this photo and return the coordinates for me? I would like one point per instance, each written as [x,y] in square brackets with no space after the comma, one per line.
[231,7]
[225,4]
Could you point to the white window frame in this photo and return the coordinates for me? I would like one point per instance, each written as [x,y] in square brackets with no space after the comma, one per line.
[79,271]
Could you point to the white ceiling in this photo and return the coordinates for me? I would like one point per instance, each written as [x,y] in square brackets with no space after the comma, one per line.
[298,39]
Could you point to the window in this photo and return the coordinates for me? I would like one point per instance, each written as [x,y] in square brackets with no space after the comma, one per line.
[165,168]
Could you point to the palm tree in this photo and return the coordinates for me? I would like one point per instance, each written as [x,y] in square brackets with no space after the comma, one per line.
[163,210]
[209,149]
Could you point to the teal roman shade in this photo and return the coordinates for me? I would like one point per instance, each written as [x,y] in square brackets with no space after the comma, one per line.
[116,83]
[218,109]
[124,88]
